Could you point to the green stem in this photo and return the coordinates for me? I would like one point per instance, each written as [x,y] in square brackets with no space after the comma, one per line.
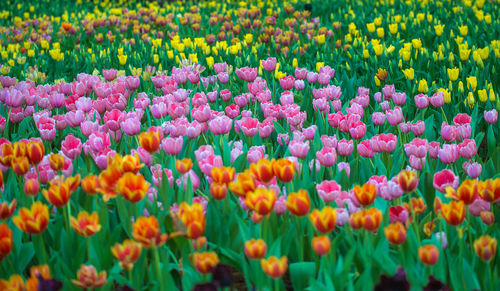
[158,268]
[42,245]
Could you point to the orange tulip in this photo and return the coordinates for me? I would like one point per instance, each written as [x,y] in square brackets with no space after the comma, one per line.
[371,219]
[150,141]
[395,233]
[35,151]
[408,180]
[429,227]
[454,212]
[485,247]
[365,194]
[127,253]
[437,205]
[90,184]
[131,163]
[146,230]
[86,224]
[20,165]
[223,175]
[321,245]
[428,254]
[263,170]
[417,206]
[5,241]
[489,190]
[284,170]
[274,267]
[1,179]
[133,187]
[107,182]
[73,182]
[6,209]
[15,283]
[244,183]
[218,191]
[205,262]
[324,220]
[261,200]
[467,191]
[193,218]
[34,220]
[183,166]
[56,162]
[355,220]
[487,217]
[200,243]
[58,195]
[31,187]
[255,248]
[19,148]
[298,203]
[88,278]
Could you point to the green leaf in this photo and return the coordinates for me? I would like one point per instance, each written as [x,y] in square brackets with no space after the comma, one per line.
[278,127]
[300,273]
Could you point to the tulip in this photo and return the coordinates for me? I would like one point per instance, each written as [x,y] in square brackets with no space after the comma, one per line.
[454,212]
[328,190]
[218,191]
[428,254]
[5,241]
[485,247]
[365,194]
[298,203]
[223,175]
[34,220]
[443,179]
[205,262]
[88,278]
[255,248]
[192,216]
[395,233]
[127,253]
[58,195]
[324,220]
[321,245]
[327,156]
[274,267]
[408,181]
[146,230]
[467,191]
[263,170]
[284,170]
[489,190]
[371,219]
[244,183]
[86,224]
[150,141]
[261,200]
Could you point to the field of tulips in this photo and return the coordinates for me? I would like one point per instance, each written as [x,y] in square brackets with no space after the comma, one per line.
[249,145]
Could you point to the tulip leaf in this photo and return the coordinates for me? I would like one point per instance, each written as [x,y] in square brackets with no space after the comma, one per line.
[300,273]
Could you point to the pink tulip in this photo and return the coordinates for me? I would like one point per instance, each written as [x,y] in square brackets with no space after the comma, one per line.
[287,82]
[327,156]
[300,73]
[71,146]
[395,116]
[448,132]
[346,167]
[443,179]
[378,118]
[448,154]
[399,98]
[417,163]
[473,170]
[345,147]
[467,148]
[298,149]
[220,125]
[131,126]
[388,91]
[206,165]
[418,128]
[437,100]
[364,149]
[357,130]
[491,116]
[172,145]
[421,101]
[269,64]
[417,147]
[328,190]
[383,143]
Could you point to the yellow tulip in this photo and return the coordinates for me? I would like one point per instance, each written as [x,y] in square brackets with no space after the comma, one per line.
[453,74]
[409,73]
[422,86]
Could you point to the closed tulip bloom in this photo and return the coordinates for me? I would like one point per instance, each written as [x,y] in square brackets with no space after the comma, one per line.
[395,116]
[5,241]
[150,141]
[428,254]
[88,278]
[437,100]
[448,154]
[399,98]
[467,148]
[421,101]
[183,166]
[127,253]
[365,194]
[86,224]
[261,200]
[408,180]
[193,217]
[284,170]
[345,147]
[485,247]
[416,205]
[371,219]
[321,245]
[324,220]
[56,162]
[395,233]
[467,191]
[263,170]
[20,165]
[328,190]
[454,212]
[491,116]
[298,203]
[299,149]
[269,64]
[7,209]
[378,118]
[34,220]
[205,262]
[223,175]
[474,170]
[218,191]
[418,128]
[274,267]
[35,151]
[71,146]
[357,130]
[487,217]
[255,248]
